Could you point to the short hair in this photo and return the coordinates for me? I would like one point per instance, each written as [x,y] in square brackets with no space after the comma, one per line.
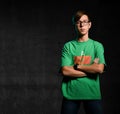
[79,14]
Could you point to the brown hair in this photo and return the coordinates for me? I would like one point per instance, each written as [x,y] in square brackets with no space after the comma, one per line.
[79,14]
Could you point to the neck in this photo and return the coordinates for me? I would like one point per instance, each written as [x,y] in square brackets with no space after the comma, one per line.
[83,38]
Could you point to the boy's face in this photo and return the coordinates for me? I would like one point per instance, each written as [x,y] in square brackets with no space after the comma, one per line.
[83,25]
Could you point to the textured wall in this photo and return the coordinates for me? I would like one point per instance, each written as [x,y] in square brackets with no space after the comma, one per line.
[31,37]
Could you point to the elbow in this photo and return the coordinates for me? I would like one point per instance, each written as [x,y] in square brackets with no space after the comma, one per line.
[64,71]
[100,70]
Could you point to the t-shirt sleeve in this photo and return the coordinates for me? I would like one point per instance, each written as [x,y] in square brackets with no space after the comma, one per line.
[66,58]
[100,53]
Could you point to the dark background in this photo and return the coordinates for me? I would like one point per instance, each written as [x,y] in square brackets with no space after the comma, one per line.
[32,34]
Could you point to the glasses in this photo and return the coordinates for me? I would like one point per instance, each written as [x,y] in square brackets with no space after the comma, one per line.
[84,23]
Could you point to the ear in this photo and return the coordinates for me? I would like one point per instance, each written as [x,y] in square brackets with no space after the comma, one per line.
[90,24]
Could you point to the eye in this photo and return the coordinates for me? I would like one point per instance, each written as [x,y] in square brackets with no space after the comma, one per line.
[82,22]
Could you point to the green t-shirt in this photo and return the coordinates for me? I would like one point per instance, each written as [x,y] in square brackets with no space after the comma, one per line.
[85,52]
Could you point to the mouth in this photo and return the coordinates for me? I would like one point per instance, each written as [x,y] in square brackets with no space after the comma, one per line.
[82,30]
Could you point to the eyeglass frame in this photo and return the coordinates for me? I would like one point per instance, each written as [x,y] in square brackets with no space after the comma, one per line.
[84,23]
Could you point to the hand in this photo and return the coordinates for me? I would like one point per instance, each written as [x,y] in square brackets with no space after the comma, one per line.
[78,59]
[96,60]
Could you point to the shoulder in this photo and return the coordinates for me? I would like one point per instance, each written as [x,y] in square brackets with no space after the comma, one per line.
[97,43]
[68,43]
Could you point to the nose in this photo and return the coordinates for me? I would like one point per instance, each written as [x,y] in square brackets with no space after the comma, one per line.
[81,24]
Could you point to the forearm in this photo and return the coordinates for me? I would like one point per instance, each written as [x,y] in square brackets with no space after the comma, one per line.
[71,72]
[93,68]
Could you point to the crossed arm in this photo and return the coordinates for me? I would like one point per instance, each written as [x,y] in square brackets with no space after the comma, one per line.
[82,70]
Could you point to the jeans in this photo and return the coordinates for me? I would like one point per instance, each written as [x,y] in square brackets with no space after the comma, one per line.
[90,106]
